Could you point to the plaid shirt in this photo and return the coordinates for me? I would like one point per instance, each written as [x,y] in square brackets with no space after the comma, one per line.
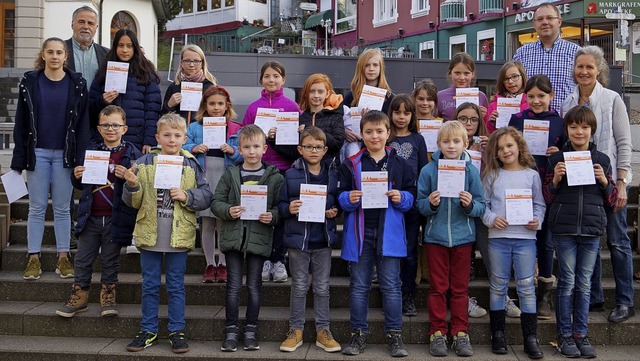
[556,63]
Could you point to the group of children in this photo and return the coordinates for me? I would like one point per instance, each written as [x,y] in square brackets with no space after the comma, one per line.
[392,148]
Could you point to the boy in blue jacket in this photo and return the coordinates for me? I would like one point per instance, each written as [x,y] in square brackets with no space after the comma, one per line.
[449,234]
[375,235]
[309,243]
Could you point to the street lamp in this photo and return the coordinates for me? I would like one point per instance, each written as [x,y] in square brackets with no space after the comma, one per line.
[326,24]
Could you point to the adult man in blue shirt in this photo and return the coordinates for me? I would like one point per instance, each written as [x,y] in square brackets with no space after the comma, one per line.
[84,56]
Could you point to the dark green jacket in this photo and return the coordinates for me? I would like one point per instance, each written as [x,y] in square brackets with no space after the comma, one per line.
[259,235]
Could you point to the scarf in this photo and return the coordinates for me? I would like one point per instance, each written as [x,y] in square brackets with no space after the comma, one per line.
[195,78]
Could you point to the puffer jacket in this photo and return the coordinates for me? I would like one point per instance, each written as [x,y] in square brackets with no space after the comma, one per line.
[259,236]
[25,129]
[579,210]
[144,197]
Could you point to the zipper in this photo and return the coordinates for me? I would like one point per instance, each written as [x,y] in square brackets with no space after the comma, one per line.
[305,240]
[449,221]
[580,199]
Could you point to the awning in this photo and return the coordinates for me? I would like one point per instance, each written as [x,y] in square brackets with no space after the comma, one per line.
[316,19]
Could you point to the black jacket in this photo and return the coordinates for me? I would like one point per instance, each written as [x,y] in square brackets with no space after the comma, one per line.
[175,88]
[101,53]
[76,122]
[579,210]
[331,123]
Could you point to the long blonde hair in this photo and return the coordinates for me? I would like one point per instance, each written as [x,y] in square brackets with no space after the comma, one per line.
[492,164]
[359,79]
[205,67]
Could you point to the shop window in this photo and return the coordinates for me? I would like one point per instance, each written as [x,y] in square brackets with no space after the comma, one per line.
[345,15]
[385,12]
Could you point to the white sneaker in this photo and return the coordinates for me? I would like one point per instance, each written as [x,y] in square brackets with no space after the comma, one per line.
[511,309]
[475,311]
[266,271]
[132,249]
[279,272]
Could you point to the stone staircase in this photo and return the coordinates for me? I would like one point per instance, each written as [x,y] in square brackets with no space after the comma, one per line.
[30,329]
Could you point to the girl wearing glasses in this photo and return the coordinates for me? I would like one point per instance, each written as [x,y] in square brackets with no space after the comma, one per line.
[192,68]
[510,84]
[141,102]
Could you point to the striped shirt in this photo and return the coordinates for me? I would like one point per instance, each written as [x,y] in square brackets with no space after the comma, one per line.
[251,177]
[556,63]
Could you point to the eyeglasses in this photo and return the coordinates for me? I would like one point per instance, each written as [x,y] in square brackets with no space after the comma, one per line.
[311,148]
[191,62]
[472,120]
[514,78]
[547,18]
[112,126]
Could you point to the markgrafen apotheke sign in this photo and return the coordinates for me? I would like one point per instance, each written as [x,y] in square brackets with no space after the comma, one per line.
[600,9]
[528,16]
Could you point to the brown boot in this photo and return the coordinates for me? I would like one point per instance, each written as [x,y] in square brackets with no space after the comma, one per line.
[544,297]
[108,300]
[77,302]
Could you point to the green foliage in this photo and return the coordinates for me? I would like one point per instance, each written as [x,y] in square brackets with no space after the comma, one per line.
[171,9]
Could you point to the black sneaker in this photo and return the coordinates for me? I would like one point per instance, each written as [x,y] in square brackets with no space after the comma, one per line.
[408,305]
[586,349]
[395,344]
[178,342]
[230,343]
[357,344]
[143,340]
[567,347]
[251,338]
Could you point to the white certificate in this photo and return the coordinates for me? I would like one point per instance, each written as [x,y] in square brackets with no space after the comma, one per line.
[476,158]
[253,199]
[266,119]
[579,168]
[14,185]
[168,171]
[451,177]
[467,95]
[536,133]
[214,131]
[352,117]
[374,187]
[372,98]
[287,128]
[96,167]
[519,204]
[506,108]
[429,130]
[314,201]
[191,96]
[116,78]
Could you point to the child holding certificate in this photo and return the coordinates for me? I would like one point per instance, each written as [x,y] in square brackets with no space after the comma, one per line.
[165,228]
[577,222]
[105,223]
[309,206]
[510,85]
[216,102]
[462,74]
[425,96]
[533,123]
[410,145]
[376,188]
[515,210]
[449,233]
[243,240]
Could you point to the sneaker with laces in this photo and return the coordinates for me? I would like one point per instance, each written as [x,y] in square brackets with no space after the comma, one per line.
[395,345]
[221,274]
[64,268]
[438,344]
[279,272]
[567,347]
[475,310]
[143,340]
[357,344]
[230,343]
[33,270]
[462,345]
[108,300]
[293,340]
[209,275]
[583,343]
[511,309]
[325,340]
[178,342]
[266,271]
[77,302]
[251,338]
[409,305]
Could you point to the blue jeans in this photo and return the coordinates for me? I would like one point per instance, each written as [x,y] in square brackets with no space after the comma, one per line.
[621,259]
[576,260]
[505,253]
[175,266]
[388,279]
[235,261]
[320,261]
[49,175]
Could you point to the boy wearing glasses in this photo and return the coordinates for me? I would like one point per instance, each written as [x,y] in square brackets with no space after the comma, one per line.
[309,243]
[105,223]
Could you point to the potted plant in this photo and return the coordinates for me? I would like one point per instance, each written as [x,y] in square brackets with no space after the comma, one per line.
[486,53]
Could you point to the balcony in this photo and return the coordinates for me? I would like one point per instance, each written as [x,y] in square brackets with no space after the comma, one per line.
[452,13]
[491,9]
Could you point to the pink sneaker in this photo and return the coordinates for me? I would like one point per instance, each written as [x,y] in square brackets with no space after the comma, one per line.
[209,275]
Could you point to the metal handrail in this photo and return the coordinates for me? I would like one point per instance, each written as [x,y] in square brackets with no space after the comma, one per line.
[254,34]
